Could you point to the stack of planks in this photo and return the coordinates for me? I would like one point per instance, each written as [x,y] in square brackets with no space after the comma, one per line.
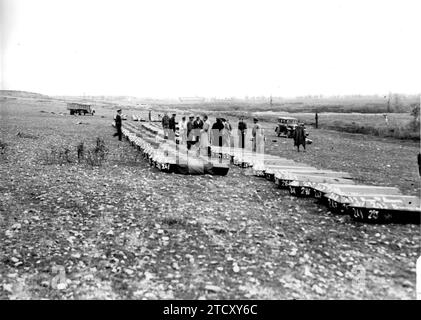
[168,155]
[335,189]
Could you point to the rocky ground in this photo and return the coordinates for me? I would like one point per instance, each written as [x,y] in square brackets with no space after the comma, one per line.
[125,230]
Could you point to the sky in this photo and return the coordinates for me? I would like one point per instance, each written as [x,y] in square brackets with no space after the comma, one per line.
[213,48]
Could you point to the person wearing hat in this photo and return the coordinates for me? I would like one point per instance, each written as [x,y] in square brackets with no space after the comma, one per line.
[258,137]
[216,137]
[119,133]
[197,126]
[299,137]
[190,136]
[242,129]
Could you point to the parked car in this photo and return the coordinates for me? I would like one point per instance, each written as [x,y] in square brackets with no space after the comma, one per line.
[286,126]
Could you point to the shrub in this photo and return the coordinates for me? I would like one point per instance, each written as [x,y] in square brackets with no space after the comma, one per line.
[80,148]
[57,155]
[96,156]
[407,131]
[3,148]
[415,113]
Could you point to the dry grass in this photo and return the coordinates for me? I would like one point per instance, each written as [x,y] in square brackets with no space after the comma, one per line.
[399,125]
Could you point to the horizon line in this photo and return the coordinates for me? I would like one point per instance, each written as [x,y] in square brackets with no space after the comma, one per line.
[226,97]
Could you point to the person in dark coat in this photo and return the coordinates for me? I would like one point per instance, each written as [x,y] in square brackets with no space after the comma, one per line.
[190,136]
[197,126]
[119,133]
[242,128]
[299,137]
[216,136]
[198,123]
[172,122]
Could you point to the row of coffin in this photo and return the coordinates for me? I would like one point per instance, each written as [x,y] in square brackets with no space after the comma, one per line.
[167,155]
[336,189]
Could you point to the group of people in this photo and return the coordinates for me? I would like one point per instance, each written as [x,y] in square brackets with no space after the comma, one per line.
[201,133]
[169,126]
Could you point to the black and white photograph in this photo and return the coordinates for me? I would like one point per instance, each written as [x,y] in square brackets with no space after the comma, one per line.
[210,150]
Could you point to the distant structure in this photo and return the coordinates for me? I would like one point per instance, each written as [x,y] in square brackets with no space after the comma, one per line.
[191,99]
[228,99]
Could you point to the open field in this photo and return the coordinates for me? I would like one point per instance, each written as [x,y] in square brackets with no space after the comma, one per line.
[363,115]
[399,125]
[127,231]
[342,104]
[352,114]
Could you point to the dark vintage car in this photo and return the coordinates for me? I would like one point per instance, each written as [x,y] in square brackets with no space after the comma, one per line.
[286,126]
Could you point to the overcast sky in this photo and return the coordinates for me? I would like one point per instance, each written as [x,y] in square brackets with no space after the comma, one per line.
[168,48]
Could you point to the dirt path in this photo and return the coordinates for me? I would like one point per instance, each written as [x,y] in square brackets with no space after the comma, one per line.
[127,230]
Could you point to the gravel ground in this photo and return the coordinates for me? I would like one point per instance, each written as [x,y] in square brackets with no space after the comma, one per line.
[128,231]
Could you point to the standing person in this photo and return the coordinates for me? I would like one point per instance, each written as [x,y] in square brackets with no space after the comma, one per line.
[242,128]
[166,125]
[150,115]
[258,137]
[119,133]
[216,137]
[190,136]
[231,137]
[317,120]
[198,123]
[183,130]
[299,137]
[226,133]
[172,127]
[205,148]
[197,126]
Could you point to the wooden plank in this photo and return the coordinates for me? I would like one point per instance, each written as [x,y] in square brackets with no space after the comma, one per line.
[316,176]
[168,157]
[389,202]
[296,188]
[379,215]
[360,189]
